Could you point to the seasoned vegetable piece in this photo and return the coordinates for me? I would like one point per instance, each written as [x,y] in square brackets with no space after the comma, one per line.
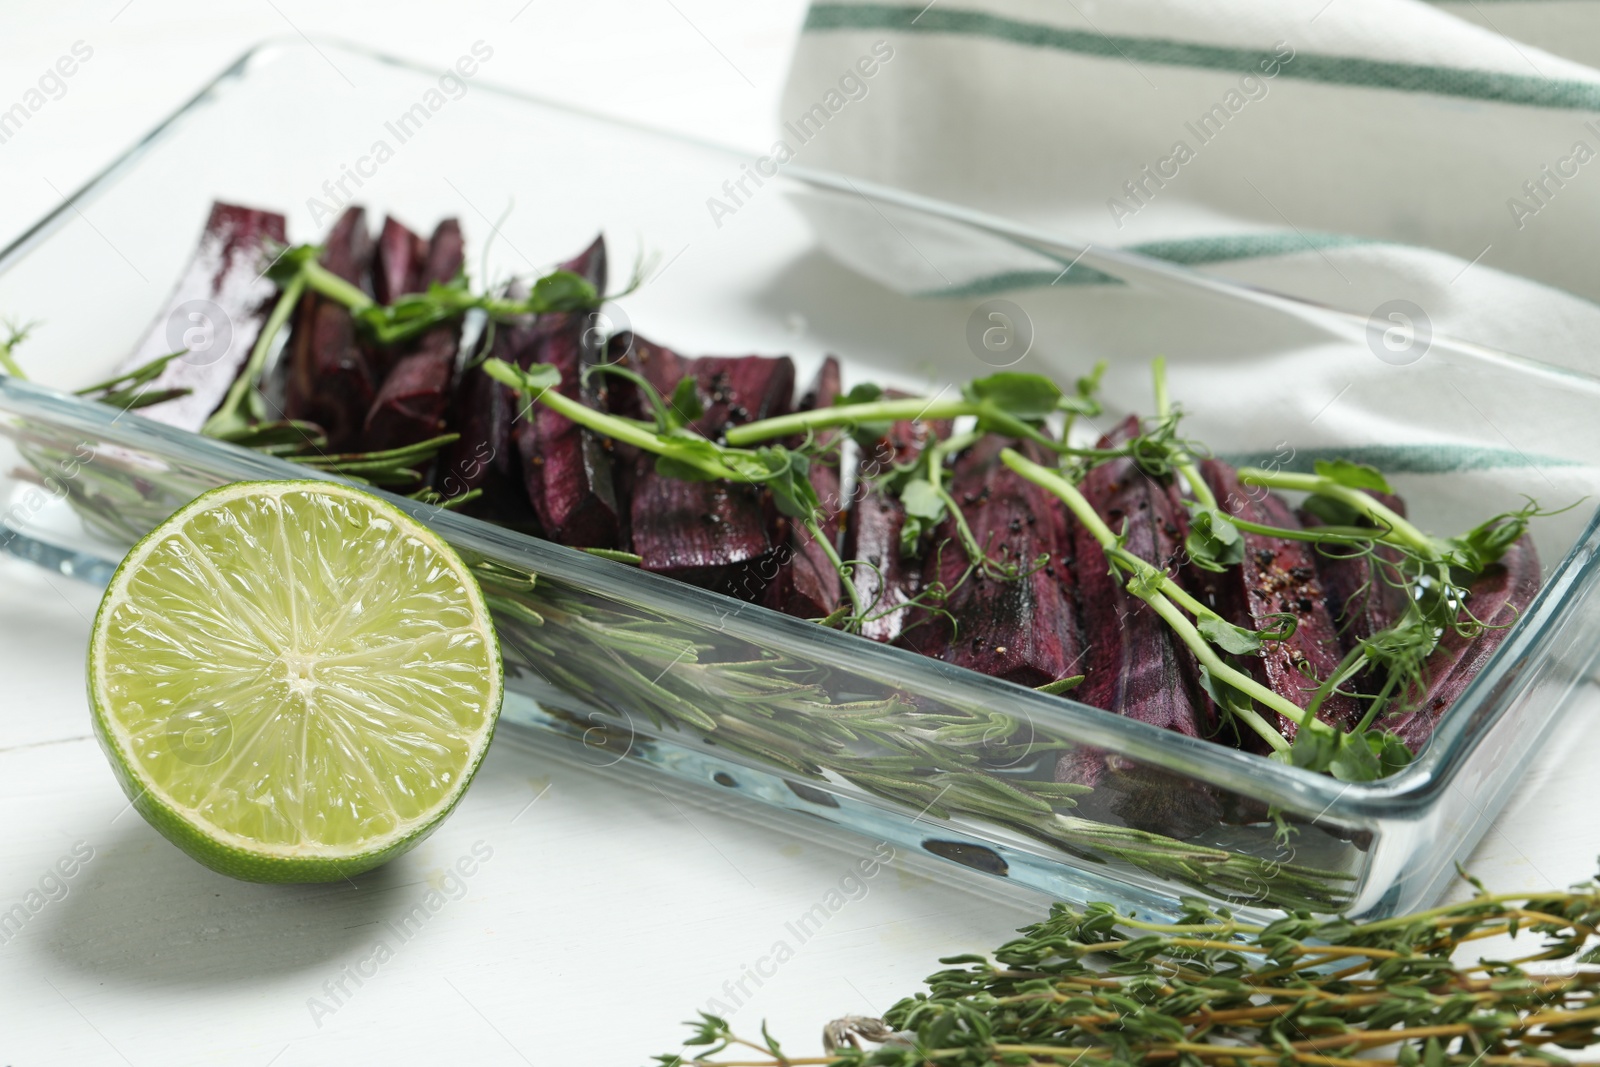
[483,412]
[713,534]
[567,469]
[215,312]
[411,404]
[887,580]
[1498,599]
[329,382]
[1364,594]
[1023,629]
[807,585]
[1278,576]
[1135,665]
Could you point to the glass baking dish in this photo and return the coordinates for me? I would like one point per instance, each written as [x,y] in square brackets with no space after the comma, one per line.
[632,673]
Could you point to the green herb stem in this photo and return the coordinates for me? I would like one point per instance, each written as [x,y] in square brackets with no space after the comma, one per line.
[907,409]
[229,417]
[1392,526]
[627,431]
[902,410]
[1185,466]
[857,608]
[8,361]
[320,279]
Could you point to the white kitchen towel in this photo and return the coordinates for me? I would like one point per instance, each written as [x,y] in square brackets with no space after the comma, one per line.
[1414,163]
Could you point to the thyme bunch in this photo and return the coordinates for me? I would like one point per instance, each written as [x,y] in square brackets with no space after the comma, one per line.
[1099,986]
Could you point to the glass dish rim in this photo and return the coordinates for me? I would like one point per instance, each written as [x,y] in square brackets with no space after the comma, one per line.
[1416,787]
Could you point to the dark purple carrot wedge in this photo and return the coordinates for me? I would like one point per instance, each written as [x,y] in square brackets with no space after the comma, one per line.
[807,585]
[410,406]
[1135,665]
[873,524]
[566,469]
[399,263]
[1500,596]
[215,312]
[1362,593]
[329,382]
[1277,576]
[483,412]
[712,534]
[1025,629]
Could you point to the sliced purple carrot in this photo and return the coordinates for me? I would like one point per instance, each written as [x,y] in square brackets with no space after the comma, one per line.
[1135,665]
[873,525]
[567,470]
[1499,597]
[1278,576]
[483,411]
[1025,629]
[399,263]
[717,535]
[807,585]
[1363,593]
[329,381]
[410,406]
[216,312]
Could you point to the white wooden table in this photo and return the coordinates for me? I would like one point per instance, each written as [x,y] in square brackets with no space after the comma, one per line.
[598,915]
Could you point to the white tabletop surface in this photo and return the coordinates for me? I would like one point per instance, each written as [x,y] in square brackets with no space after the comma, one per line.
[604,914]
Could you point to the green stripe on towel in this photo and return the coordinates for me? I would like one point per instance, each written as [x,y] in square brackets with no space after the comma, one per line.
[1186,251]
[1525,89]
[1402,459]
[1198,251]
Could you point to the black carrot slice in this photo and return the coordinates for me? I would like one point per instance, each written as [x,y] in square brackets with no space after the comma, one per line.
[1499,597]
[712,534]
[1026,629]
[807,585]
[399,264]
[1135,665]
[329,381]
[483,412]
[410,406]
[567,470]
[873,523]
[1278,576]
[215,312]
[1363,593]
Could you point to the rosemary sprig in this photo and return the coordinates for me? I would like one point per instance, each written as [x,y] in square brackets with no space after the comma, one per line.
[946,760]
[128,390]
[1100,986]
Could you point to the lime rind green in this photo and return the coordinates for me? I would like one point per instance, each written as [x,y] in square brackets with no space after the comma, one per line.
[294,681]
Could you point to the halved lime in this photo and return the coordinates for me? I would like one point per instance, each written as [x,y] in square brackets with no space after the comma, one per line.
[294,681]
